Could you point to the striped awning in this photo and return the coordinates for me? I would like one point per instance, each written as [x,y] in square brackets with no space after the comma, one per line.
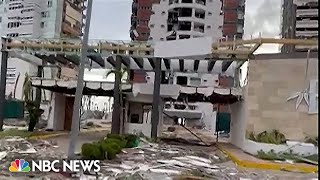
[69,86]
[145,63]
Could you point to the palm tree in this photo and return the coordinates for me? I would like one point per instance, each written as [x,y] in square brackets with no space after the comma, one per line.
[33,107]
[124,79]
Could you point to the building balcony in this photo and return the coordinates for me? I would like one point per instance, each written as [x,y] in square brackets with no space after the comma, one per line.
[307,33]
[307,24]
[198,4]
[181,110]
[69,30]
[307,12]
[192,19]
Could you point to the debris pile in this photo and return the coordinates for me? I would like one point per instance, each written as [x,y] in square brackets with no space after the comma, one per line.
[19,148]
[153,161]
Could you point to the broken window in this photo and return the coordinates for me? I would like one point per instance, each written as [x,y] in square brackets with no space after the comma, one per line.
[184,26]
[184,36]
[182,80]
[200,14]
[199,27]
[195,81]
[185,12]
[135,119]
[180,106]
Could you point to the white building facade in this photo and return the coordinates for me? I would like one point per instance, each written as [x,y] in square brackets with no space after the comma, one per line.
[36,19]
[184,19]
[306,20]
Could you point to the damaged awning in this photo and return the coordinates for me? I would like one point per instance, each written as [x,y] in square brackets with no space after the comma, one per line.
[97,88]
[188,114]
[174,91]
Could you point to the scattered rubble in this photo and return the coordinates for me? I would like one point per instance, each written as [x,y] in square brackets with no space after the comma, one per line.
[149,161]
[19,148]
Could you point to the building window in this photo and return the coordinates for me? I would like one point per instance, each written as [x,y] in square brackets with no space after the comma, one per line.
[42,24]
[50,3]
[313,97]
[161,39]
[152,25]
[0,19]
[208,27]
[150,38]
[163,13]
[162,26]
[45,14]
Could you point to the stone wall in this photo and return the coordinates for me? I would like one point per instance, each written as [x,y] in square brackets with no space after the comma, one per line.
[271,82]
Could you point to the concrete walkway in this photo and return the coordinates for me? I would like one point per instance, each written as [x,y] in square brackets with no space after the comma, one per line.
[63,140]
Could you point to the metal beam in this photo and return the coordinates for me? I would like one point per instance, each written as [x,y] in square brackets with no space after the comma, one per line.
[156,99]
[3,79]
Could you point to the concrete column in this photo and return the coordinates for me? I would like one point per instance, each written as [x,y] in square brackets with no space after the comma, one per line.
[38,90]
[116,113]
[3,79]
[239,113]
[156,99]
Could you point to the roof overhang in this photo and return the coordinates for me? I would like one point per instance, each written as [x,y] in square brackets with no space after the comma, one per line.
[69,87]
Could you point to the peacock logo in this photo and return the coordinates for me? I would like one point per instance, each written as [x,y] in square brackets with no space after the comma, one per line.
[19,165]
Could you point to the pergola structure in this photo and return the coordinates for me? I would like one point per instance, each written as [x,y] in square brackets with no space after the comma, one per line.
[132,55]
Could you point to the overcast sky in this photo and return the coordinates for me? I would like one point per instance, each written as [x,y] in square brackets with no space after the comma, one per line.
[111,20]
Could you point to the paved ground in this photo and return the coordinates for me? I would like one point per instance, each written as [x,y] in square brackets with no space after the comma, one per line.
[63,141]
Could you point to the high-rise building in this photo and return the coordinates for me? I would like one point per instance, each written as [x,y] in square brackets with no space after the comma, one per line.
[180,19]
[299,20]
[233,18]
[41,18]
[36,19]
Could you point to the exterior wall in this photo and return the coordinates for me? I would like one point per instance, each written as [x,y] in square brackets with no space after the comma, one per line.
[233,23]
[136,107]
[57,114]
[183,47]
[21,67]
[71,18]
[271,83]
[141,12]
[25,13]
[212,21]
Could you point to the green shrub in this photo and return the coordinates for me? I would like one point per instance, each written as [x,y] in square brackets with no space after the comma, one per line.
[111,149]
[92,151]
[273,137]
[116,136]
[122,143]
[132,140]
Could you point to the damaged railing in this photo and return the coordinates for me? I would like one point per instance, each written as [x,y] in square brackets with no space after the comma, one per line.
[74,46]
